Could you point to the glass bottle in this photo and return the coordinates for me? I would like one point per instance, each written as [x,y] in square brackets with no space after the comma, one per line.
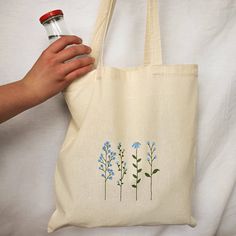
[54,24]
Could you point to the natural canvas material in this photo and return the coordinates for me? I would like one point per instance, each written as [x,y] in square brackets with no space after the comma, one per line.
[128,157]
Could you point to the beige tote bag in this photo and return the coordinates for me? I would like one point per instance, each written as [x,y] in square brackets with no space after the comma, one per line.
[128,157]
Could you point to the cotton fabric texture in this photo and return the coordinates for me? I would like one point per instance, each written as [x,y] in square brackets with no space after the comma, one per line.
[129,154]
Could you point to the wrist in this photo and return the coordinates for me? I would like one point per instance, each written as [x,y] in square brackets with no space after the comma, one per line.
[32,97]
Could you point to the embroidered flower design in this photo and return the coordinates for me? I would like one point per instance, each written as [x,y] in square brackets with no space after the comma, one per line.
[136,146]
[105,160]
[151,156]
[121,168]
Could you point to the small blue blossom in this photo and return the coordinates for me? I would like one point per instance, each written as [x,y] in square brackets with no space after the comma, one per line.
[136,145]
[148,158]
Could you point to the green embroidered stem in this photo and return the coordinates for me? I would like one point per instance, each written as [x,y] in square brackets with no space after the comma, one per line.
[151,157]
[136,146]
[151,150]
[121,167]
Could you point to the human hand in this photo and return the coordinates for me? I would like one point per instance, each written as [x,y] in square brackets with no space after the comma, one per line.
[50,74]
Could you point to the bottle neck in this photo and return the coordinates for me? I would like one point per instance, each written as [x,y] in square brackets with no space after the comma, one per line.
[56,27]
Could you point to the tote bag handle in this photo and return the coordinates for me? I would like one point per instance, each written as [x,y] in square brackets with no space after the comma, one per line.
[152,49]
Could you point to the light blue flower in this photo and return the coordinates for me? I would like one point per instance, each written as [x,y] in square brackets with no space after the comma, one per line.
[155,157]
[136,145]
[148,158]
[110,171]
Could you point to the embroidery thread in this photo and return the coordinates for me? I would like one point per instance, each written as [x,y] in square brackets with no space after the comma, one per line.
[136,146]
[121,168]
[106,159]
[151,156]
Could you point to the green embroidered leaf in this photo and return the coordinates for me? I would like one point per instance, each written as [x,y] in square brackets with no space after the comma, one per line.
[147,175]
[139,170]
[134,186]
[155,171]
[134,157]
[134,165]
[138,181]
[135,176]
[139,160]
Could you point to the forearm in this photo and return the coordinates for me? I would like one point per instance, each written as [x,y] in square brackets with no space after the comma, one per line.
[15,98]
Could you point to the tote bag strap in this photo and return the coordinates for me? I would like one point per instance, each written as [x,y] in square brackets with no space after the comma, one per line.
[152,51]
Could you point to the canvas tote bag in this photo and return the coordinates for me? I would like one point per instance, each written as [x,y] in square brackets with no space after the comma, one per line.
[128,157]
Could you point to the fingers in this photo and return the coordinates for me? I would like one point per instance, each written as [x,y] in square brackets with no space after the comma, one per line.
[63,42]
[79,72]
[72,51]
[76,64]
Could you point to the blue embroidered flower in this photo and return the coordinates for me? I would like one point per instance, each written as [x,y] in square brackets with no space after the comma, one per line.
[136,145]
[138,170]
[105,158]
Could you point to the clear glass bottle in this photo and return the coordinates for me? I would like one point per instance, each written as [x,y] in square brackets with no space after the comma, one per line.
[54,24]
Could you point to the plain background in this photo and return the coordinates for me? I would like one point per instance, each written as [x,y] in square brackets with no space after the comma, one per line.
[201,32]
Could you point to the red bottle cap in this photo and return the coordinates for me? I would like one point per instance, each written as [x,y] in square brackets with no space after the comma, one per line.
[50,14]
